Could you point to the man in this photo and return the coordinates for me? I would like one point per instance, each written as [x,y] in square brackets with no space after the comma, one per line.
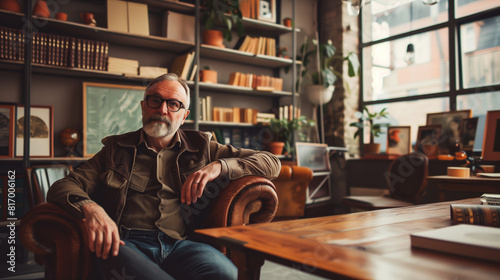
[134,193]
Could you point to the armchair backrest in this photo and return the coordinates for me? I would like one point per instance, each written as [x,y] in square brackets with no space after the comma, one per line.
[40,179]
[407,177]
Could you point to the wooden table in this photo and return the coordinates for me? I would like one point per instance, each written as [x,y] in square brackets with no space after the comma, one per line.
[364,245]
[470,184]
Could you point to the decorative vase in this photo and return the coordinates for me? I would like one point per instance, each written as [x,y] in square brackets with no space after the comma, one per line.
[213,38]
[276,147]
[319,95]
[10,5]
[88,19]
[287,22]
[372,148]
[41,9]
[209,76]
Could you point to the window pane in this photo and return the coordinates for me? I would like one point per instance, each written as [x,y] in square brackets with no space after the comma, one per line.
[385,18]
[408,113]
[469,7]
[480,43]
[479,103]
[386,74]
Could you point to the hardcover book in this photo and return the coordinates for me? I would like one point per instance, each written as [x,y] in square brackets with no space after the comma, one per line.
[473,241]
[487,215]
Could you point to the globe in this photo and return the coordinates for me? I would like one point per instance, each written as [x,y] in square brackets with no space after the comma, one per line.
[70,137]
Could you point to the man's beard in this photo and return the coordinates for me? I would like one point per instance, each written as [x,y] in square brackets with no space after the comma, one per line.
[158,126]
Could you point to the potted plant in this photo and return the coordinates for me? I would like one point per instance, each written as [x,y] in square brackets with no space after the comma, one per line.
[208,75]
[323,76]
[375,128]
[223,13]
[283,129]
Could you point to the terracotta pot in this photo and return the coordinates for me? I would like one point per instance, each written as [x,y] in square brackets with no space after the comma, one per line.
[209,76]
[287,22]
[41,9]
[213,38]
[372,148]
[276,147]
[10,5]
[62,16]
[88,19]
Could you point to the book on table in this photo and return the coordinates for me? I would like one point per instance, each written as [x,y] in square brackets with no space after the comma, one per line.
[487,215]
[473,241]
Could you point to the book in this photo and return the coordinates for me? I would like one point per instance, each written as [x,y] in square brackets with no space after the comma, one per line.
[490,199]
[465,240]
[181,65]
[488,215]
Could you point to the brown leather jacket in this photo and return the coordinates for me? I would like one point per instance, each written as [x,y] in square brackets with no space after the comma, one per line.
[106,177]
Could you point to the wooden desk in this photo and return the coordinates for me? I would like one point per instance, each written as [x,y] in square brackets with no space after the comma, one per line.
[365,245]
[471,184]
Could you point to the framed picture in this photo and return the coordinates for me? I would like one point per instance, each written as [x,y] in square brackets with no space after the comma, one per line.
[450,127]
[491,142]
[7,130]
[468,133]
[109,110]
[428,140]
[267,10]
[41,131]
[398,140]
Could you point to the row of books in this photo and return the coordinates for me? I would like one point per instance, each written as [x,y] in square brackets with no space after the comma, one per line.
[184,66]
[131,67]
[238,137]
[55,50]
[258,82]
[250,8]
[257,45]
[286,112]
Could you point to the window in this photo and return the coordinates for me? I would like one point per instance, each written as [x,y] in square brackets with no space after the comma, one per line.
[431,82]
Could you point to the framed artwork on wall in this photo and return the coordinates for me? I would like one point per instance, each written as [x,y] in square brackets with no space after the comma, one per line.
[41,131]
[428,140]
[109,110]
[398,140]
[7,130]
[491,142]
[450,127]
[468,133]
[267,10]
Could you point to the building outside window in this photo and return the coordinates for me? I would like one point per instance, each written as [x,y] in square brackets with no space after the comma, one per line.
[430,82]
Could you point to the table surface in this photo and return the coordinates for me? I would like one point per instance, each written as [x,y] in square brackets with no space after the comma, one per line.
[476,179]
[364,245]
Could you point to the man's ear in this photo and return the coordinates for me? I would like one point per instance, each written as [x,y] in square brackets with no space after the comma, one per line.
[185,116]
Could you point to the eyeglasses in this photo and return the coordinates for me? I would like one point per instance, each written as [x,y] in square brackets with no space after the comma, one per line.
[172,105]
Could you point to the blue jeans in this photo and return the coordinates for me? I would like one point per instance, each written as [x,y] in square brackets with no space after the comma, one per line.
[154,255]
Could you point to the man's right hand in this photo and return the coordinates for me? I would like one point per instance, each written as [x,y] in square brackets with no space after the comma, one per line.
[102,231]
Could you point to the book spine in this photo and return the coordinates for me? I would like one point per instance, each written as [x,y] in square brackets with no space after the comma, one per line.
[487,215]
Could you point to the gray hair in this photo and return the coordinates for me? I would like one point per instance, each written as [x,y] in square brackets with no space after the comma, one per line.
[172,77]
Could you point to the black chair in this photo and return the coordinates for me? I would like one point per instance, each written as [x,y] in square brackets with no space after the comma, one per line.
[406,180]
[41,177]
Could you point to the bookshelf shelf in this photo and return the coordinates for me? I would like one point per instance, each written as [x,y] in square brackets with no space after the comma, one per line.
[228,124]
[270,29]
[240,90]
[227,54]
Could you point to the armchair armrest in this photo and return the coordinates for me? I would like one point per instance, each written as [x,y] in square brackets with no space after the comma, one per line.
[57,239]
[248,200]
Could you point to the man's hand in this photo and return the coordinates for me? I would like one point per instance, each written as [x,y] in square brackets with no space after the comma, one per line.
[102,231]
[196,182]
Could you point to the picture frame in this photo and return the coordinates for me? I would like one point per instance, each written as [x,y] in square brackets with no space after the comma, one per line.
[109,109]
[41,131]
[428,140]
[468,133]
[398,140]
[491,141]
[7,130]
[450,126]
[267,10]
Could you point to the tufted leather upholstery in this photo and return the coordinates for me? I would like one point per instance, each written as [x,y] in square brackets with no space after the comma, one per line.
[291,186]
[59,240]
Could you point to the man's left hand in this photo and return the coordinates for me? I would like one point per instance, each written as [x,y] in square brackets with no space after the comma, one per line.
[196,182]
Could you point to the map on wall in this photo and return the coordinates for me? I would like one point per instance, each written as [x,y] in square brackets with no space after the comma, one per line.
[109,110]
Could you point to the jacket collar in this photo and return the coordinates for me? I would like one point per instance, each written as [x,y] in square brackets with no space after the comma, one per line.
[134,139]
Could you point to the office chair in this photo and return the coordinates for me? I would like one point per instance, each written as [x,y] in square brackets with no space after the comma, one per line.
[406,180]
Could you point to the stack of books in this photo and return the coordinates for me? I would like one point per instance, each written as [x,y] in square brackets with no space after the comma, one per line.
[258,82]
[256,45]
[152,71]
[123,66]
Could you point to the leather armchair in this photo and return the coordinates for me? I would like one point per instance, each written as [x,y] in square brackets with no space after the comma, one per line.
[59,240]
[291,185]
